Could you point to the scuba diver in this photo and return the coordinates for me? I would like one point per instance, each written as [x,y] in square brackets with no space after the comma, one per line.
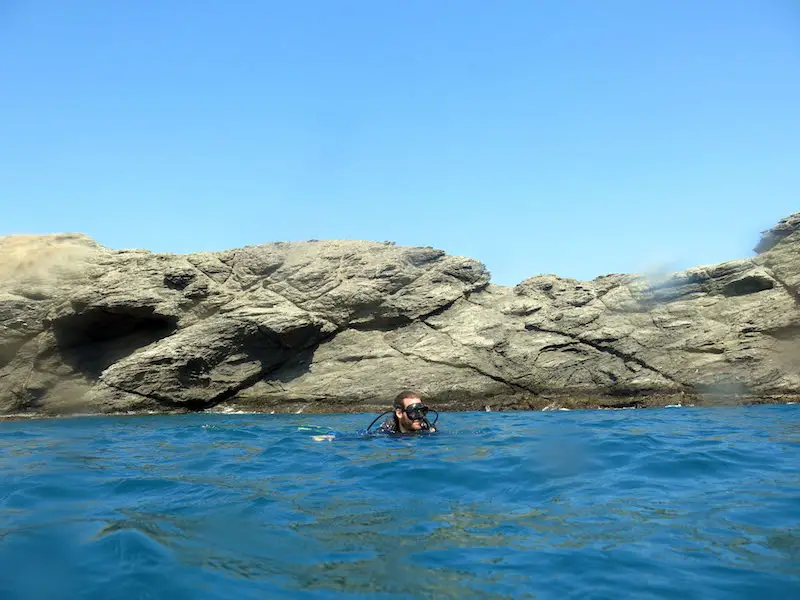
[409,415]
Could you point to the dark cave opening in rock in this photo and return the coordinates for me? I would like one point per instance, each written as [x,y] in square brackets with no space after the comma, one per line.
[92,340]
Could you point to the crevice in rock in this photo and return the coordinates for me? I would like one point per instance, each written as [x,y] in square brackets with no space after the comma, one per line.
[574,374]
[383,324]
[390,323]
[795,294]
[214,309]
[473,368]
[786,333]
[279,295]
[608,350]
[591,320]
[440,330]
[612,376]
[494,351]
[295,355]
[152,397]
[340,268]
[709,350]
[351,361]
[24,390]
[204,272]
[480,287]
[201,405]
[627,404]
[656,324]
[229,260]
[564,347]
[418,261]
[315,297]
[190,405]
[299,339]
[34,295]
[467,299]
[445,307]
[749,284]
[246,288]
[639,310]
[8,351]
[179,280]
[600,294]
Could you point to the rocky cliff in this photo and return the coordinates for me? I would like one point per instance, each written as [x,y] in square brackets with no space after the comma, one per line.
[344,325]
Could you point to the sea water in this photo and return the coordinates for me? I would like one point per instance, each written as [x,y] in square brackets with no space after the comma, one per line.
[670,503]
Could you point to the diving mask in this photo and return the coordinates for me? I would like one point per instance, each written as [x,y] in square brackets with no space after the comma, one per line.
[416,412]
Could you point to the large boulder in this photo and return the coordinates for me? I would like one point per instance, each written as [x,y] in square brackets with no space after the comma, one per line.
[87,329]
[344,325]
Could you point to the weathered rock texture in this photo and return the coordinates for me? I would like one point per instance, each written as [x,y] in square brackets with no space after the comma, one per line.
[341,325]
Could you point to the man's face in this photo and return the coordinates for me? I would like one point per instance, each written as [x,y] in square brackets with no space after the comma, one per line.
[405,422]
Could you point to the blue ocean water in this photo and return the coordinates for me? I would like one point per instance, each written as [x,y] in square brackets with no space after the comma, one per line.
[670,503]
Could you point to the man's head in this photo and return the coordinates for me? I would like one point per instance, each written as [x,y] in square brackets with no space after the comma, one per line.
[407,417]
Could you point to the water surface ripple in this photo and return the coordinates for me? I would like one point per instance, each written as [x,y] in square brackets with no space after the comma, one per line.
[672,503]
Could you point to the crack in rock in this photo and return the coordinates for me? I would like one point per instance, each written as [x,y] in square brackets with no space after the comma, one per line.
[702,350]
[473,368]
[201,405]
[789,289]
[608,350]
[292,303]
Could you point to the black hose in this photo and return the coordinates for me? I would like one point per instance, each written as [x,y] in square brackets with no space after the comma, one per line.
[376,419]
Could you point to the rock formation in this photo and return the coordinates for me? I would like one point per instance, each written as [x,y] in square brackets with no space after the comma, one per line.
[343,325]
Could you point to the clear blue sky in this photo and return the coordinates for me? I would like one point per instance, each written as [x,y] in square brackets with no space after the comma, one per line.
[538,136]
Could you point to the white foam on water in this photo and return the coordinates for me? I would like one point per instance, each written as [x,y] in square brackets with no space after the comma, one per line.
[229,410]
[21,416]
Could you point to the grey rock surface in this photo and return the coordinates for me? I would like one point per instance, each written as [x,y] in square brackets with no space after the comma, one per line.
[344,325]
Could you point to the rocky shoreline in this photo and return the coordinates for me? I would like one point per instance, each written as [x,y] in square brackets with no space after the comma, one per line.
[340,326]
[650,402]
